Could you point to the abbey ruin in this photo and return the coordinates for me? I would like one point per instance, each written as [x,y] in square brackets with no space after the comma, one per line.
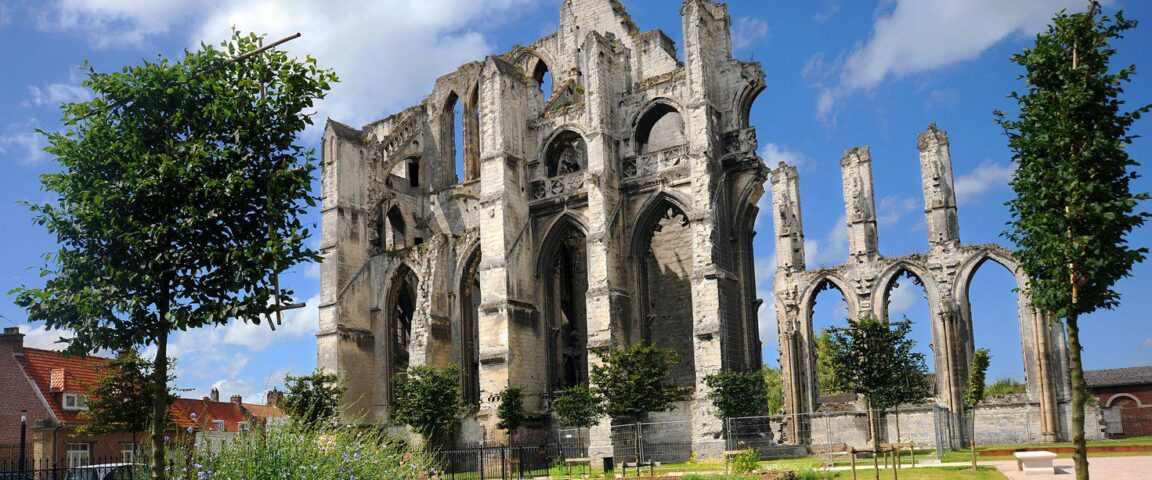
[600,192]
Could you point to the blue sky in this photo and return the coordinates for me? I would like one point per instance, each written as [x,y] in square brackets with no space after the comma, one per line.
[840,74]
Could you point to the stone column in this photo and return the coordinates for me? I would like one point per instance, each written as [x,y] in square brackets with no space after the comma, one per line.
[507,355]
[605,70]
[786,286]
[939,194]
[859,205]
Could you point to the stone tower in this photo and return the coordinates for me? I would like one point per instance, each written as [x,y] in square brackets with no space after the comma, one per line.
[519,232]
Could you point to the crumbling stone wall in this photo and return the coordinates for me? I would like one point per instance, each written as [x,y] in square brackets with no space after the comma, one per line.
[628,133]
[867,279]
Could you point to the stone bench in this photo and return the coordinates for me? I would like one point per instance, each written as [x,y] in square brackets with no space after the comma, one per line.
[583,462]
[1035,462]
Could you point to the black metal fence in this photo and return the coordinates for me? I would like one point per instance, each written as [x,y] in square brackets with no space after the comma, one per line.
[499,461]
[112,468]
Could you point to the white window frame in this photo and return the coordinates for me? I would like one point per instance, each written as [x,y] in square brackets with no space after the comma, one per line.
[79,401]
[218,425]
[127,452]
[79,454]
[243,427]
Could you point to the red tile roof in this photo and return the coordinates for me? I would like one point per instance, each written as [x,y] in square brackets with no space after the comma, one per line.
[207,411]
[53,372]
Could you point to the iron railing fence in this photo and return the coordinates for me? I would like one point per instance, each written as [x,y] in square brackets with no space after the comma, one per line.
[81,468]
[498,461]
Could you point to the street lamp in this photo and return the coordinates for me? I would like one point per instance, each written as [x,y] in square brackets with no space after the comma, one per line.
[23,428]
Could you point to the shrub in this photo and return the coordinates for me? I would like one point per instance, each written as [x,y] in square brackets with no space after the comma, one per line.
[428,399]
[737,394]
[746,462]
[511,410]
[313,399]
[1006,386]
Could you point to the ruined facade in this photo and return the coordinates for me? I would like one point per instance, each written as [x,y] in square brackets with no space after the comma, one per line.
[519,232]
[866,282]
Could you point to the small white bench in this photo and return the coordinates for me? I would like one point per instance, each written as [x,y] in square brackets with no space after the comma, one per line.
[1035,462]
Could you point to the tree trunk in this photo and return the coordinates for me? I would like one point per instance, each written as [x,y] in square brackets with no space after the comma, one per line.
[1079,398]
[972,432]
[897,408]
[160,396]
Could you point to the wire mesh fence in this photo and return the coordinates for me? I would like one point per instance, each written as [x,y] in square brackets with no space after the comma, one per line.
[498,461]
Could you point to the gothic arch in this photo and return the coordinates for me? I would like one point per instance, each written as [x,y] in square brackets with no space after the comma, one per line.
[744,100]
[396,232]
[888,278]
[566,151]
[744,260]
[397,318]
[562,269]
[820,282]
[469,327]
[663,117]
[976,260]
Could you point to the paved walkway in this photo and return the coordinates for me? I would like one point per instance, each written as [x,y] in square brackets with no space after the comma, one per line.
[1106,468]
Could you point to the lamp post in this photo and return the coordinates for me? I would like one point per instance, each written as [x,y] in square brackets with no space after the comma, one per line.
[23,429]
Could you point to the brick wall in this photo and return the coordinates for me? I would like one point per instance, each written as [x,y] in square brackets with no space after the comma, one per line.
[1133,405]
[18,394]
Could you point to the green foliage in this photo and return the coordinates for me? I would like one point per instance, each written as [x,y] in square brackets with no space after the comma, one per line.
[636,380]
[121,400]
[737,394]
[746,461]
[1005,386]
[297,451]
[511,409]
[774,386]
[1074,207]
[428,399]
[312,399]
[875,359]
[825,370]
[974,394]
[177,201]
[578,407]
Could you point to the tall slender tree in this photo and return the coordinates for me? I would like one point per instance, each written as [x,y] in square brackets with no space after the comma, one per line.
[1074,208]
[974,394]
[179,193]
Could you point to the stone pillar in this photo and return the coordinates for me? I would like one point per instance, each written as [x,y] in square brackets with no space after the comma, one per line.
[939,195]
[605,69]
[345,341]
[790,267]
[859,205]
[706,46]
[507,353]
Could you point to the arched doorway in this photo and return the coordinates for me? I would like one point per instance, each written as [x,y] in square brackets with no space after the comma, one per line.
[564,272]
[470,330]
[399,312]
[663,252]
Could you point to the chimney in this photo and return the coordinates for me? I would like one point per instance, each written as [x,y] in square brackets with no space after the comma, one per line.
[274,398]
[215,395]
[12,340]
[235,399]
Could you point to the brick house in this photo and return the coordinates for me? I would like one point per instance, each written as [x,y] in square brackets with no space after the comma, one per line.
[211,422]
[1125,394]
[53,389]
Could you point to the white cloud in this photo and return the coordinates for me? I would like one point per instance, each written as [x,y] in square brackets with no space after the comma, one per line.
[56,93]
[41,337]
[775,154]
[830,10]
[387,53]
[832,250]
[1146,344]
[893,208]
[5,15]
[903,296]
[985,177]
[766,315]
[297,323]
[21,143]
[918,36]
[747,31]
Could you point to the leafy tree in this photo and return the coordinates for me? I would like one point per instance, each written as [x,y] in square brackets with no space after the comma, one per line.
[974,394]
[737,394]
[511,410]
[636,380]
[1074,208]
[874,359]
[428,399]
[178,197]
[825,371]
[314,399]
[774,386]
[578,407]
[121,400]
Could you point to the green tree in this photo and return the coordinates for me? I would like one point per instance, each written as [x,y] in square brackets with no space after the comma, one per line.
[178,200]
[428,399]
[874,359]
[974,394]
[312,400]
[1074,208]
[636,380]
[121,400]
[825,371]
[511,410]
[774,386]
[737,394]
[578,407]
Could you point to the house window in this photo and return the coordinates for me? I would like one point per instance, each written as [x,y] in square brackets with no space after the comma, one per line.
[218,425]
[78,454]
[73,401]
[243,426]
[127,452]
